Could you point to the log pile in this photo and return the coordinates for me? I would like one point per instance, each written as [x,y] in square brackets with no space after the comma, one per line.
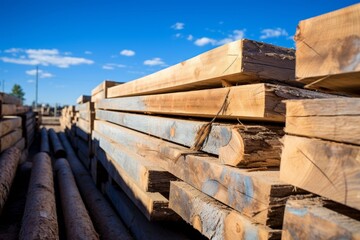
[321,147]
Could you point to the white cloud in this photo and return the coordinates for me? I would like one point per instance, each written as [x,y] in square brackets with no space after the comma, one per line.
[154,62]
[236,35]
[30,81]
[112,66]
[190,37]
[42,74]
[178,26]
[45,57]
[67,53]
[204,41]
[273,33]
[178,35]
[13,50]
[127,52]
[88,52]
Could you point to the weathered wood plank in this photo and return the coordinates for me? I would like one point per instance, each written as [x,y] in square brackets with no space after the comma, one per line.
[309,219]
[213,219]
[8,109]
[236,145]
[153,205]
[7,124]
[145,172]
[10,139]
[253,102]
[335,166]
[9,99]
[341,117]
[83,99]
[84,125]
[98,96]
[242,61]
[260,195]
[332,60]
[135,220]
[87,115]
[88,106]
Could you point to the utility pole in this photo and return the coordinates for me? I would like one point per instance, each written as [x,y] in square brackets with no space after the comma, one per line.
[36,87]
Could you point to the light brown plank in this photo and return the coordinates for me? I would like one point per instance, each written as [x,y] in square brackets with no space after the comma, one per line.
[325,168]
[7,124]
[255,102]
[242,61]
[309,219]
[327,51]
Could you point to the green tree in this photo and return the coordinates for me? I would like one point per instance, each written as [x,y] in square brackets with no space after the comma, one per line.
[17,91]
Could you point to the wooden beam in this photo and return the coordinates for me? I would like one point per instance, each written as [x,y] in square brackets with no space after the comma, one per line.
[145,172]
[309,219]
[87,115]
[236,145]
[242,61]
[265,155]
[260,195]
[327,51]
[153,205]
[135,220]
[88,106]
[84,125]
[9,99]
[103,86]
[340,116]
[10,139]
[335,166]
[83,99]
[7,124]
[8,109]
[213,219]
[253,102]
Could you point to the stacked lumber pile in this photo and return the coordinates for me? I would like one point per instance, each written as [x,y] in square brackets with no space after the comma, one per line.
[84,126]
[101,91]
[321,147]
[213,124]
[68,121]
[17,124]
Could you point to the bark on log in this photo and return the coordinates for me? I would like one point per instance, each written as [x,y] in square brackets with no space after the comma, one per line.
[44,147]
[59,151]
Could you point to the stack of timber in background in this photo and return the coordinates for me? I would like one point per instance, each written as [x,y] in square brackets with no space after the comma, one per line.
[321,147]
[29,126]
[101,91]
[84,126]
[68,123]
[213,122]
[13,128]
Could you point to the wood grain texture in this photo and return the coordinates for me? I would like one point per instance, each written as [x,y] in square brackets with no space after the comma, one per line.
[10,139]
[153,205]
[7,124]
[325,168]
[9,99]
[145,172]
[340,116]
[86,126]
[236,145]
[88,106]
[253,102]
[213,219]
[309,219]
[83,99]
[260,195]
[242,61]
[87,115]
[327,48]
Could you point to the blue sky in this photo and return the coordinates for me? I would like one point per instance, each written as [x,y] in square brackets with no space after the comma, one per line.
[78,44]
